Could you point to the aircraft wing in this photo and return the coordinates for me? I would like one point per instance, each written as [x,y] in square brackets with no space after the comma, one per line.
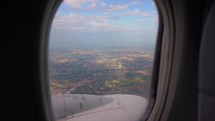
[86,107]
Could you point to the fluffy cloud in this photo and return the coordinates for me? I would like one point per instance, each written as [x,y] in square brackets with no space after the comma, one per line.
[92,5]
[138,12]
[77,4]
[81,22]
[116,7]
[98,22]
[98,4]
[120,7]
[103,4]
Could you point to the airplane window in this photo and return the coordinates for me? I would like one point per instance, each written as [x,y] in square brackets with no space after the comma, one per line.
[101,59]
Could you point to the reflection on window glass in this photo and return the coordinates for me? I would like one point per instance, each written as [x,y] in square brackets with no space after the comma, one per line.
[100,59]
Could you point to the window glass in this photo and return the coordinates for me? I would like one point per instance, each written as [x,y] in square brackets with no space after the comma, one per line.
[100,59]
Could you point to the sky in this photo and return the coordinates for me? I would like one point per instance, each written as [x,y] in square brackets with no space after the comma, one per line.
[103,23]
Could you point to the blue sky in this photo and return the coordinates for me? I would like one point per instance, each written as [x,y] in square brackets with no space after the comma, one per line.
[104,22]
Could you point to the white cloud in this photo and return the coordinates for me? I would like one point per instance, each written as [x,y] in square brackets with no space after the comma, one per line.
[110,8]
[103,4]
[135,2]
[77,4]
[98,4]
[116,7]
[139,13]
[120,7]
[67,21]
[92,5]
[99,25]
[81,22]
